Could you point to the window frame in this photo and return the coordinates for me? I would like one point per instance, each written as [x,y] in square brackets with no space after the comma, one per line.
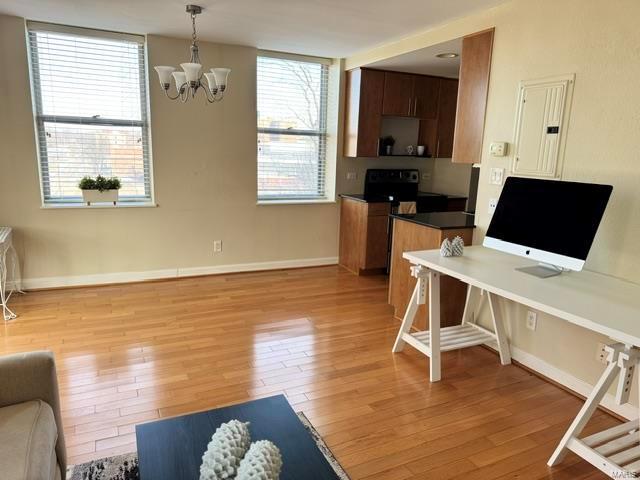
[321,133]
[39,118]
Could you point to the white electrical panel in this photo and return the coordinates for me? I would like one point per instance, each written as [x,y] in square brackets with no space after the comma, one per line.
[541,122]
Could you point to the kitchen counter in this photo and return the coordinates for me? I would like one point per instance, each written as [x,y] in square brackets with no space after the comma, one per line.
[426,231]
[360,197]
[439,220]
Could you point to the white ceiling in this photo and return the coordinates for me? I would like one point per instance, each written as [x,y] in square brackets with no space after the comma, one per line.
[330,28]
[425,60]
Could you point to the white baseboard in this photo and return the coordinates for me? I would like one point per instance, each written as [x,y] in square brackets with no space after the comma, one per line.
[127,277]
[567,380]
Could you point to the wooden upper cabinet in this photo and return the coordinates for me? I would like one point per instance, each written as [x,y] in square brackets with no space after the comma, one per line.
[475,66]
[363,112]
[447,101]
[425,96]
[398,94]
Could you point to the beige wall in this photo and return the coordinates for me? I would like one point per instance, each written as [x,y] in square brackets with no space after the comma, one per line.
[599,42]
[204,159]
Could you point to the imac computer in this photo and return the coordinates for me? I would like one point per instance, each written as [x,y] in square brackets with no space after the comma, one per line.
[550,221]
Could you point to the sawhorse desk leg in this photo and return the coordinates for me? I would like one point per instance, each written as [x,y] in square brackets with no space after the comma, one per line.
[437,339]
[615,451]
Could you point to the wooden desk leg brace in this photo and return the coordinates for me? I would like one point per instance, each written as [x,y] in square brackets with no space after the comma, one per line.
[615,451]
[436,340]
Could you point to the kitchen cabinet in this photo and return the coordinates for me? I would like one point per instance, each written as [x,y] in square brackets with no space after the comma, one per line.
[363,236]
[363,112]
[398,98]
[372,94]
[409,236]
[408,95]
[475,66]
[436,133]
[447,101]
[425,96]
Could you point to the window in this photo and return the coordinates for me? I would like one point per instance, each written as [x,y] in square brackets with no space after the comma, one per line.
[90,107]
[292,129]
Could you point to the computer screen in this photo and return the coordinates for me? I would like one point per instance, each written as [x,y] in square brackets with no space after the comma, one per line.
[549,215]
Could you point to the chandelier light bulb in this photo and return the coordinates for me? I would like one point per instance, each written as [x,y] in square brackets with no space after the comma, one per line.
[164,74]
[180,79]
[192,71]
[221,75]
[211,80]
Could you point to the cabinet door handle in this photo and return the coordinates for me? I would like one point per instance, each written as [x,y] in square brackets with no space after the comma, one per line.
[409,107]
[437,148]
[415,106]
[378,147]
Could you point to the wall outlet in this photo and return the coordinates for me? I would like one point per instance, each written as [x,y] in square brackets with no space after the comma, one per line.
[217,246]
[532,320]
[352,175]
[426,176]
[497,174]
[493,203]
[601,353]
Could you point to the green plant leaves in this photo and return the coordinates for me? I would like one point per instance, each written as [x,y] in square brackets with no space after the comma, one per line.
[100,183]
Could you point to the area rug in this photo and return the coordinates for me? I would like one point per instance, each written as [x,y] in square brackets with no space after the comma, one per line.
[125,467]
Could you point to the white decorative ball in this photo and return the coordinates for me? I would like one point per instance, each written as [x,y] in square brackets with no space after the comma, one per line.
[457,246]
[446,248]
[225,451]
[262,462]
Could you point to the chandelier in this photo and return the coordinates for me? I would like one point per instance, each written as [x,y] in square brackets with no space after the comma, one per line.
[189,81]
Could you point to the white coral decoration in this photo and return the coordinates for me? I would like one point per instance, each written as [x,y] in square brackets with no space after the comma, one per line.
[262,462]
[457,246]
[445,248]
[225,451]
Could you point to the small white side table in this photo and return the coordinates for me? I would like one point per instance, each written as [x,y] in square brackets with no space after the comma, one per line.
[15,285]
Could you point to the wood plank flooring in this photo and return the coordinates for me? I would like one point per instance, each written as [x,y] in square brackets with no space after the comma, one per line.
[129,354]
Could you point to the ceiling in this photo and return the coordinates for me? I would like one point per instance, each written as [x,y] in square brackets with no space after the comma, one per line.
[329,28]
[425,60]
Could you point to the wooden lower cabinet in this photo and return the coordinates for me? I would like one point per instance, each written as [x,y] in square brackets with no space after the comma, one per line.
[363,236]
[409,236]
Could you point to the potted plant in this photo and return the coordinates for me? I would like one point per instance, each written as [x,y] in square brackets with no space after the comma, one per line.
[387,144]
[99,189]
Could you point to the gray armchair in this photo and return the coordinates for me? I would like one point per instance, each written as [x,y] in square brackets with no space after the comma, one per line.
[31,434]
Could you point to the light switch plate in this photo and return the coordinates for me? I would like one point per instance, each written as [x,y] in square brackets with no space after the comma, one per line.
[497,175]
[498,149]
[352,175]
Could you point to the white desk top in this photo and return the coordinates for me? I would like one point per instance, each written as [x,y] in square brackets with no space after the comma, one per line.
[594,301]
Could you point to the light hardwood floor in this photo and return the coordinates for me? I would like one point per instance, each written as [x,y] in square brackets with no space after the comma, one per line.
[133,353]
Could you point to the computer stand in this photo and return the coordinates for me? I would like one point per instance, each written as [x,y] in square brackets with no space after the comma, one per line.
[541,270]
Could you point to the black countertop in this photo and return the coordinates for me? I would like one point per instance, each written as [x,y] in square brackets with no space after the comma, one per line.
[439,220]
[360,197]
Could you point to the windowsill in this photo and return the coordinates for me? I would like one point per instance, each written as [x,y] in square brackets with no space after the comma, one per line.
[295,202]
[55,206]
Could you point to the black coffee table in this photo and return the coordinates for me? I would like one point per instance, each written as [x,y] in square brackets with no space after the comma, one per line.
[172,449]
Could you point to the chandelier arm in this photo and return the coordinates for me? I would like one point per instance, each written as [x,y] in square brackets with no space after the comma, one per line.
[166,92]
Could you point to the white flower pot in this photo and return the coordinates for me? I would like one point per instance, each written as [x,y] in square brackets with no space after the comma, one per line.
[96,196]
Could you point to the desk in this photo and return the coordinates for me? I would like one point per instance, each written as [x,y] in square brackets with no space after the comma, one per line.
[597,302]
[6,248]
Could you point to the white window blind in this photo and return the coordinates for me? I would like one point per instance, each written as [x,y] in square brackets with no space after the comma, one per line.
[90,106]
[292,128]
